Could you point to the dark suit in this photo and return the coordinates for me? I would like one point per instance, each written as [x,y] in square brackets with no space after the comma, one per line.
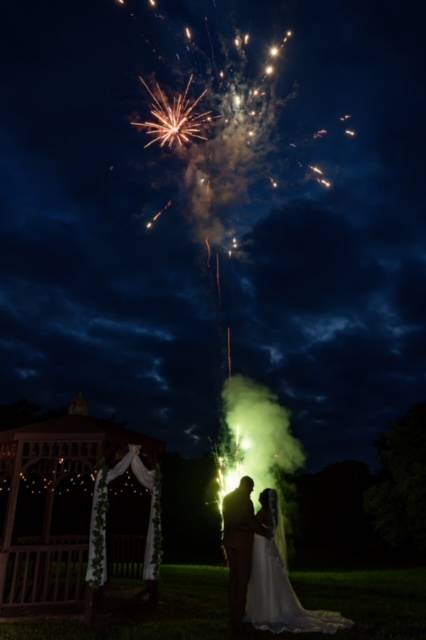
[239,527]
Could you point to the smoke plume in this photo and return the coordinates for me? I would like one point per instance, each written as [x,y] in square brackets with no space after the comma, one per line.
[220,171]
[259,434]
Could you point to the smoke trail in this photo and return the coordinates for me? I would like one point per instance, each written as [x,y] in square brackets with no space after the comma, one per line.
[220,171]
[259,442]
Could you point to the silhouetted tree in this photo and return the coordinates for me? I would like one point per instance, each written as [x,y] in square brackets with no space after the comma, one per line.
[23,412]
[191,519]
[18,414]
[397,503]
[332,527]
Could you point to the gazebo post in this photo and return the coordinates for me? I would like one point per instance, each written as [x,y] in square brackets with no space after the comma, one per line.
[153,592]
[47,518]
[3,567]
[89,605]
[10,517]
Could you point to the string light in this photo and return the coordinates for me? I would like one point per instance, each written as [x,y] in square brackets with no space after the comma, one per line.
[73,484]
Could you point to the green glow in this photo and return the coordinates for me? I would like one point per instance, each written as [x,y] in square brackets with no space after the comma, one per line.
[258,441]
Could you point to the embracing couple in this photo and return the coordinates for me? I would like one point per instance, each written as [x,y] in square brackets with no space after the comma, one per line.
[260,592]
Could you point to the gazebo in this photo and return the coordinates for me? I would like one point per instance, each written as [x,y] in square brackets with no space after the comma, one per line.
[55,571]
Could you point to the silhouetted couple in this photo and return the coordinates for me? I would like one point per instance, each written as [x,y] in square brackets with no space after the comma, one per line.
[260,593]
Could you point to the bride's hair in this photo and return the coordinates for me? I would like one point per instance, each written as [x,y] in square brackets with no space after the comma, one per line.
[269,499]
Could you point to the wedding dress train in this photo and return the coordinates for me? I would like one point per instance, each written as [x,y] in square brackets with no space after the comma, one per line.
[272,604]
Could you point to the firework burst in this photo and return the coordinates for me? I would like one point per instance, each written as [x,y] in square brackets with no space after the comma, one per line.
[176,122]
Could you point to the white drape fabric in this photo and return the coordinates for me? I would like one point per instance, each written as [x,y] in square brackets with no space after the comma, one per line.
[279,534]
[146,477]
[272,604]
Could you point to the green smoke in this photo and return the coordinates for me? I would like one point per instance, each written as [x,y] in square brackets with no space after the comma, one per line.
[258,440]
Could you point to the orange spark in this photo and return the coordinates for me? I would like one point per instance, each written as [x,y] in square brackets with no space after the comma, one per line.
[176,123]
[219,290]
[325,183]
[229,353]
[209,252]
[158,214]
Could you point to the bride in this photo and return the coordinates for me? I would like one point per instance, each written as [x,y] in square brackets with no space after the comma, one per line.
[272,604]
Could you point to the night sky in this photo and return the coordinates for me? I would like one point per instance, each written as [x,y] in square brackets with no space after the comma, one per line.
[327,303]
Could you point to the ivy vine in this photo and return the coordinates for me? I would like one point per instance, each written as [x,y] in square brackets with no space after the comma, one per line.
[98,535]
[156,520]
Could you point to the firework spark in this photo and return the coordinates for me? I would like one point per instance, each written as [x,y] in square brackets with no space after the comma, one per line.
[209,252]
[219,288]
[229,353]
[320,134]
[325,183]
[350,133]
[158,214]
[176,123]
[233,248]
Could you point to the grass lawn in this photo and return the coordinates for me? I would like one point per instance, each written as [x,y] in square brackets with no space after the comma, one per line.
[386,605]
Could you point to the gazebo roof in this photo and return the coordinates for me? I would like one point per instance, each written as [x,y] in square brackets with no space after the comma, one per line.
[74,427]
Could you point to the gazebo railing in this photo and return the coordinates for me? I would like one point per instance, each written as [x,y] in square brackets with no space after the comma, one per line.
[60,540]
[54,573]
[126,556]
[44,575]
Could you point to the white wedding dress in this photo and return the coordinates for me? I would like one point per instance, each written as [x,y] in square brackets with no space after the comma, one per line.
[272,604]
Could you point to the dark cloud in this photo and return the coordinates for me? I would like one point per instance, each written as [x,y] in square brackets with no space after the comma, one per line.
[305,248]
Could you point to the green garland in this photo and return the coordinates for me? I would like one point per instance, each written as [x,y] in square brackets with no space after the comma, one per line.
[98,535]
[156,520]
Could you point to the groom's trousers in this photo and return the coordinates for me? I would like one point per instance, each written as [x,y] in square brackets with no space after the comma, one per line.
[238,548]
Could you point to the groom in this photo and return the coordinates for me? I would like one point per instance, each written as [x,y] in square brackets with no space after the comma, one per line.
[240,525]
